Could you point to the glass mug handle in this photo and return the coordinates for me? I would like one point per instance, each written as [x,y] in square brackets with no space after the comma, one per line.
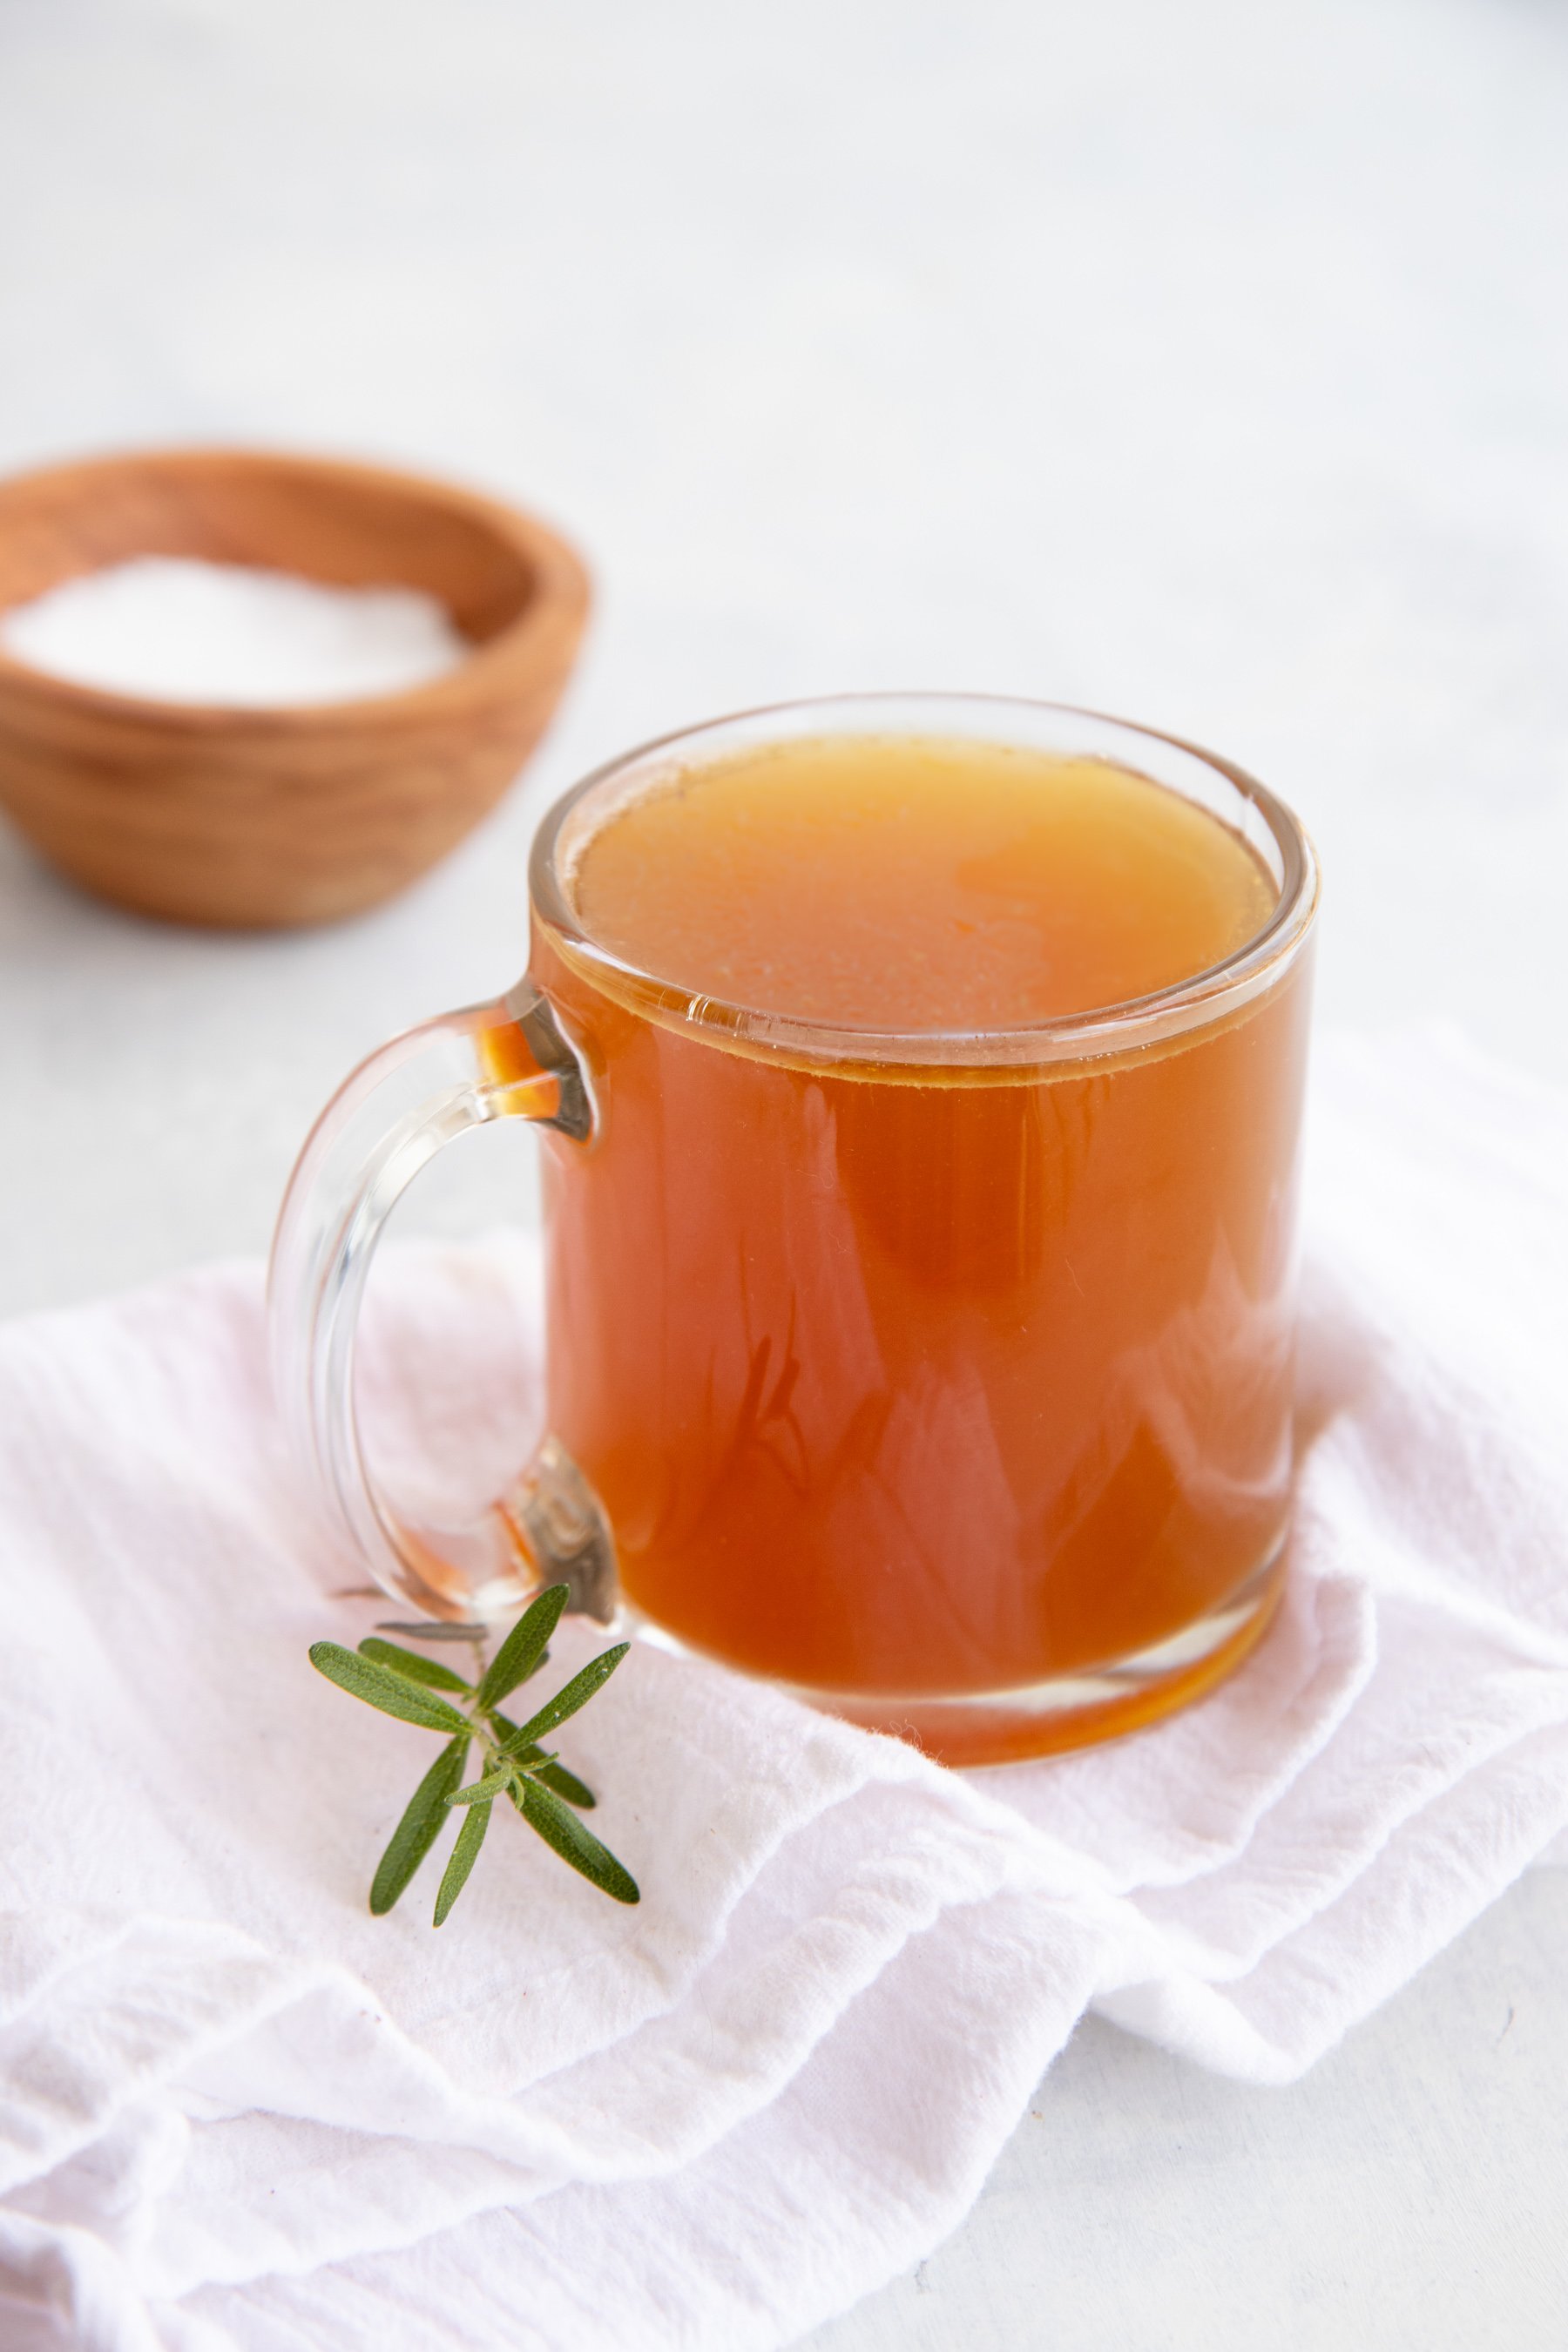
[507,1059]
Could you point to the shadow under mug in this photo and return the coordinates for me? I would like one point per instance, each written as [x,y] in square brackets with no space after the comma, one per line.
[943,1378]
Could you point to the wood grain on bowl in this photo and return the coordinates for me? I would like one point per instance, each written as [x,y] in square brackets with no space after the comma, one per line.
[205,814]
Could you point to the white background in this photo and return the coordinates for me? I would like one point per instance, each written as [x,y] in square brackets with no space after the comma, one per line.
[1206,363]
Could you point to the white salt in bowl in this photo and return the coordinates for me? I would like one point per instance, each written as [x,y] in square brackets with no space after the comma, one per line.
[258,813]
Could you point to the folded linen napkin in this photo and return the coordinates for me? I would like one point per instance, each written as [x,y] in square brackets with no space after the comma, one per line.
[234,2111]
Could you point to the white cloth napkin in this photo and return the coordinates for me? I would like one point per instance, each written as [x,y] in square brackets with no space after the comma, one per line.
[235,2110]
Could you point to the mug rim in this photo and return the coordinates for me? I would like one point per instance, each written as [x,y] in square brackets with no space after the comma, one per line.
[1202,1000]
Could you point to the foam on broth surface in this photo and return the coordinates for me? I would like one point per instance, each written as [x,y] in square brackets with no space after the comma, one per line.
[916,884]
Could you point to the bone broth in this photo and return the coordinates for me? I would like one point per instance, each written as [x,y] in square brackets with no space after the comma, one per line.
[1004,1345]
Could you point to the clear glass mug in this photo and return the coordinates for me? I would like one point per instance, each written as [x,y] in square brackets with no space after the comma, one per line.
[944,1379]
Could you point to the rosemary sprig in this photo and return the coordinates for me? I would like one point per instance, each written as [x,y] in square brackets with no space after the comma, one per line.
[512,1762]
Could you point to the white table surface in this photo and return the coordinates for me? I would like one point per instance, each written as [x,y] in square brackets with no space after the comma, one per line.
[1178,357]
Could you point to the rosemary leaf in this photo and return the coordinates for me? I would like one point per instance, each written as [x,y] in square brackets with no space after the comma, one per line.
[567,1784]
[417,1833]
[434,1630]
[568,1698]
[494,1784]
[379,1687]
[412,1666]
[464,1856]
[559,1827]
[524,1646]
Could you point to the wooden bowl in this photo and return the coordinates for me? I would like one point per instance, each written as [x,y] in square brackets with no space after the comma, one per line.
[208,814]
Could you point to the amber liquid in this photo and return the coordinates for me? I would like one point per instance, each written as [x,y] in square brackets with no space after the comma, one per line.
[902,1380]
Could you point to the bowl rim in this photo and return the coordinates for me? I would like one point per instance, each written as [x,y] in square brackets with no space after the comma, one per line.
[562,592]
